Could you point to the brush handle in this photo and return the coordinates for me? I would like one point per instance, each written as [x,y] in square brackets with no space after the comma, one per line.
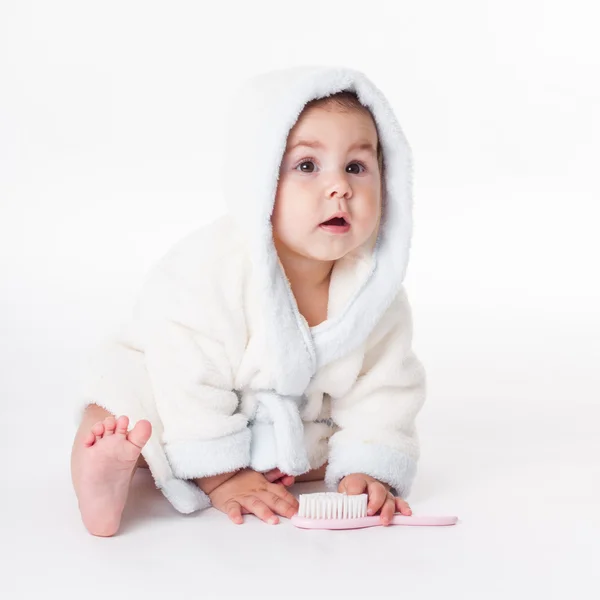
[373,521]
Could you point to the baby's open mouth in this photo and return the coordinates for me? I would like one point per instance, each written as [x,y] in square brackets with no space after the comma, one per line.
[336,221]
[336,226]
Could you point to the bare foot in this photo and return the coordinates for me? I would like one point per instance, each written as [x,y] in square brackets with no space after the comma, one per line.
[102,471]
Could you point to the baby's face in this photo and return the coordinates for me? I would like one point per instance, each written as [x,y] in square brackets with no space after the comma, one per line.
[333,174]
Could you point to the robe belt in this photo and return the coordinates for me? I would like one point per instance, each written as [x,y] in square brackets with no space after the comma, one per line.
[288,430]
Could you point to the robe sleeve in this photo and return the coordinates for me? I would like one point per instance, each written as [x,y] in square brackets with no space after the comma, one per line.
[376,418]
[187,331]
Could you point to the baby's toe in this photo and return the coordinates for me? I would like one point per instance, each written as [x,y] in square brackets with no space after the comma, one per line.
[110,425]
[98,430]
[140,434]
[89,439]
[122,424]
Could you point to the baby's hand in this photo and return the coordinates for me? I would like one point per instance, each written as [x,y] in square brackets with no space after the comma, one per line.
[379,494]
[249,492]
[276,476]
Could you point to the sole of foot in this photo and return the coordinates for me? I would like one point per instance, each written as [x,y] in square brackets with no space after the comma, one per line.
[103,470]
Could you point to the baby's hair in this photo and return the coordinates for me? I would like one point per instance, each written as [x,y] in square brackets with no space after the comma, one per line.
[347,101]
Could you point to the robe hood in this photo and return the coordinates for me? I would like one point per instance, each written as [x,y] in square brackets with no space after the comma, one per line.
[261,115]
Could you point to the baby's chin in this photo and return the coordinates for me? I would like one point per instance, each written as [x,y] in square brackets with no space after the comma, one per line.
[329,257]
[325,253]
[319,246]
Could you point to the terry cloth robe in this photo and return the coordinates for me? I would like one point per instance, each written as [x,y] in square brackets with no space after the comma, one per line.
[216,354]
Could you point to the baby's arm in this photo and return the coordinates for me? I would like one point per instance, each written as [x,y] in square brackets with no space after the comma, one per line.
[376,417]
[211,483]
[185,335]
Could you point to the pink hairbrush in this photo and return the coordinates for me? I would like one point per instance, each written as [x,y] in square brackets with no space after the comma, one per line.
[330,510]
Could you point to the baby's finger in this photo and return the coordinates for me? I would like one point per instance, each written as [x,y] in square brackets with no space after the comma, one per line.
[282,492]
[285,480]
[402,506]
[353,486]
[259,508]
[388,510]
[234,512]
[277,504]
[377,496]
[273,475]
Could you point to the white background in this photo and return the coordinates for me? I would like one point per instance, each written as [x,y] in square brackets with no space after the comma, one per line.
[110,145]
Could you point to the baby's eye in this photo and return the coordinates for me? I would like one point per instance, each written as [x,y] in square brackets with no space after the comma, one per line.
[361,166]
[306,162]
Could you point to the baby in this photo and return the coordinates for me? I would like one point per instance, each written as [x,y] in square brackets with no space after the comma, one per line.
[274,345]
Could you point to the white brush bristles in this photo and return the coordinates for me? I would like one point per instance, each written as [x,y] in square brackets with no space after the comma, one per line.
[331,505]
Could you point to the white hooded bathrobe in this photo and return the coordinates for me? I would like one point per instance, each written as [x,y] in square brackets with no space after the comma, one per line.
[216,354]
